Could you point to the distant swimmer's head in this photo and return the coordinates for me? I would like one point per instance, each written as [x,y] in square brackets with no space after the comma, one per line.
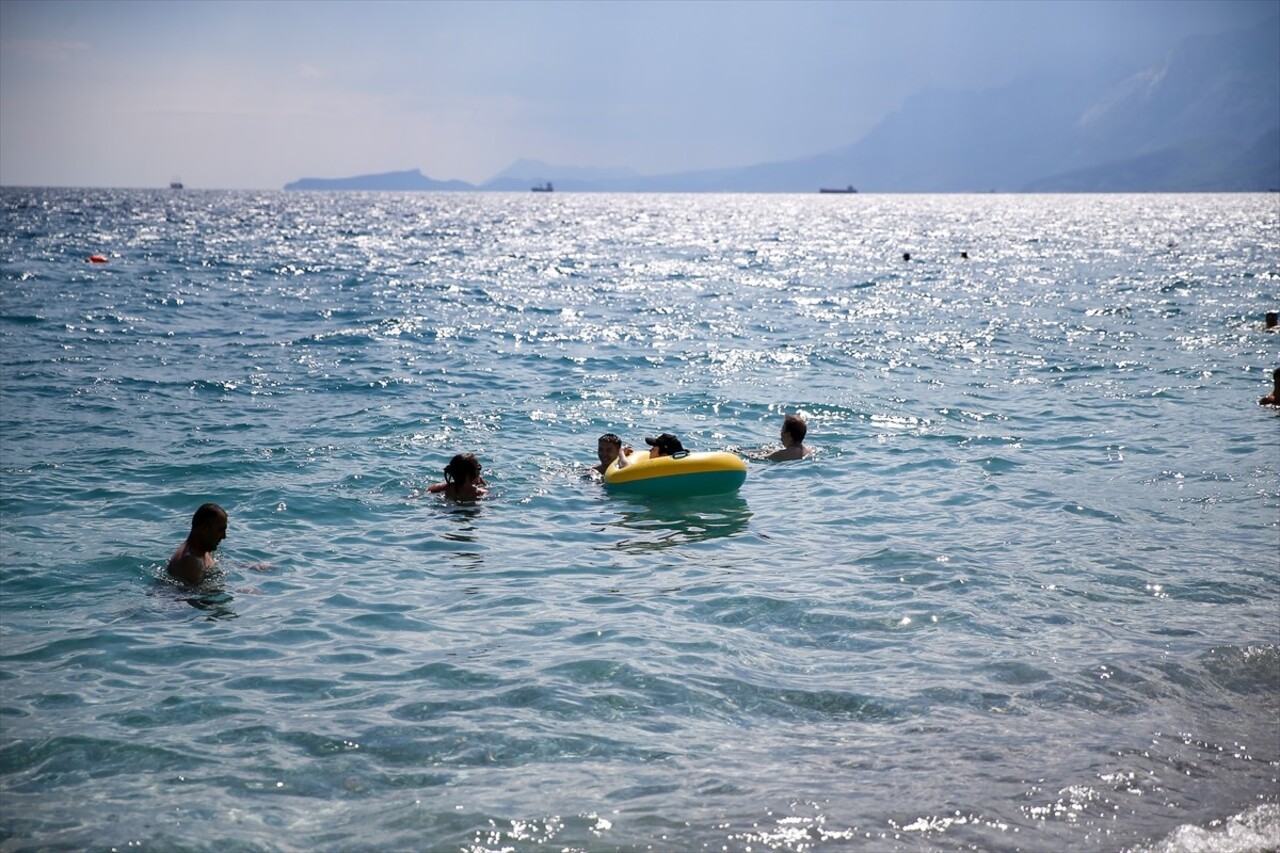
[1273,319]
[906,256]
[795,429]
[462,468]
[664,445]
[209,526]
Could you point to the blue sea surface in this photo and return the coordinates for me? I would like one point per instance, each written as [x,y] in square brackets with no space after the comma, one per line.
[1024,595]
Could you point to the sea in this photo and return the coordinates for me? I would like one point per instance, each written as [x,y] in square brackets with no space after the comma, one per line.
[1024,594]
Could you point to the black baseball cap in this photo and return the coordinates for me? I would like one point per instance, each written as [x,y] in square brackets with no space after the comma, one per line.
[666,442]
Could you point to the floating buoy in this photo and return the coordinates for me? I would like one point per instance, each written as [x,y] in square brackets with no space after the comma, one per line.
[97,259]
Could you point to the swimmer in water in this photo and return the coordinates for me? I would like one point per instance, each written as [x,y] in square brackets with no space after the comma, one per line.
[1272,399]
[608,448]
[462,480]
[194,556]
[794,429]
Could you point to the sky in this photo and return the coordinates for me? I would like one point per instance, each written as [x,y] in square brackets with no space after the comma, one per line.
[252,95]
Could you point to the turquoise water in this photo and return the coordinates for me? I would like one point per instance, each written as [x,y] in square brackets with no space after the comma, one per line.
[1024,595]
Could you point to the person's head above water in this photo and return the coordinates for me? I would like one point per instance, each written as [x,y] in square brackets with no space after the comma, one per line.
[608,446]
[1273,399]
[665,444]
[194,556]
[794,428]
[208,526]
[462,480]
[462,468]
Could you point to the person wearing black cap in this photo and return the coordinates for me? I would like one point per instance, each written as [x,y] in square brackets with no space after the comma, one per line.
[661,445]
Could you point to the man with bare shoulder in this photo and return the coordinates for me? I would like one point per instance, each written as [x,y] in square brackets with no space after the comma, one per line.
[794,429]
[608,448]
[1273,399]
[194,556]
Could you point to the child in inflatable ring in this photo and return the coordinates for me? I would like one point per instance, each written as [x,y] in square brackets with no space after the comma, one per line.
[665,444]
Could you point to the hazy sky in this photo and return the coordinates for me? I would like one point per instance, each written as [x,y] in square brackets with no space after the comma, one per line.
[255,94]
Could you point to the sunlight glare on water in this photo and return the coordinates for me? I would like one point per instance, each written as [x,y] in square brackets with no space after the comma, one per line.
[1023,595]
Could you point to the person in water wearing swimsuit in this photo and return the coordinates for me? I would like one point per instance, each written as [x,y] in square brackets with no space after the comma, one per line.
[194,556]
[462,480]
[794,429]
[662,445]
[608,448]
[1273,399]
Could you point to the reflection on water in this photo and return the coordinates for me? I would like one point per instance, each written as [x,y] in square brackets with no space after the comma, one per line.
[462,523]
[651,524]
[209,597]
[215,604]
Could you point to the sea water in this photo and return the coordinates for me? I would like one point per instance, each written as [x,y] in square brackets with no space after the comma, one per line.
[1024,594]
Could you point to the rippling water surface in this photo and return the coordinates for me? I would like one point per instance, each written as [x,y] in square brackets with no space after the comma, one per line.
[1024,596]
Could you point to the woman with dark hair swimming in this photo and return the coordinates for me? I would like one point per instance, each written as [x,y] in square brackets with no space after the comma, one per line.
[462,480]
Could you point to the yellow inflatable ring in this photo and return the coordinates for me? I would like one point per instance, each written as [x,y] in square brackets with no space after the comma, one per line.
[681,475]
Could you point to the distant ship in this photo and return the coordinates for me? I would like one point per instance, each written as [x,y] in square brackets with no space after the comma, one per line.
[848,189]
[544,188]
[175,184]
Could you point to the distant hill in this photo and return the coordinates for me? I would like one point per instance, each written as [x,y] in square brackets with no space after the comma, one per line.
[409,181]
[1206,118]
[1200,120]
[1207,164]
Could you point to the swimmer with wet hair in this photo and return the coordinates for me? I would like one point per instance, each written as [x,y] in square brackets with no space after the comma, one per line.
[608,448]
[194,557]
[462,480]
[794,430]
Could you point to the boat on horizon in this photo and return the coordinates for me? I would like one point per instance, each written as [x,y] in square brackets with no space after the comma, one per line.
[543,188]
[175,184]
[848,189]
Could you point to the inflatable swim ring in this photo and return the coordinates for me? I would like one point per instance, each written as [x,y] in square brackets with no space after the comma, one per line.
[677,476]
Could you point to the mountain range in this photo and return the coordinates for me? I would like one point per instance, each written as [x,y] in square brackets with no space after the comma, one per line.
[1206,118]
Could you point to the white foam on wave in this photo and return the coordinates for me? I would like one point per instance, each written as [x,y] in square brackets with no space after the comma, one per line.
[1254,831]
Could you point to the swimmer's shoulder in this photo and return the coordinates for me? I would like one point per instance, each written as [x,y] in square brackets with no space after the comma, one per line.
[186,566]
